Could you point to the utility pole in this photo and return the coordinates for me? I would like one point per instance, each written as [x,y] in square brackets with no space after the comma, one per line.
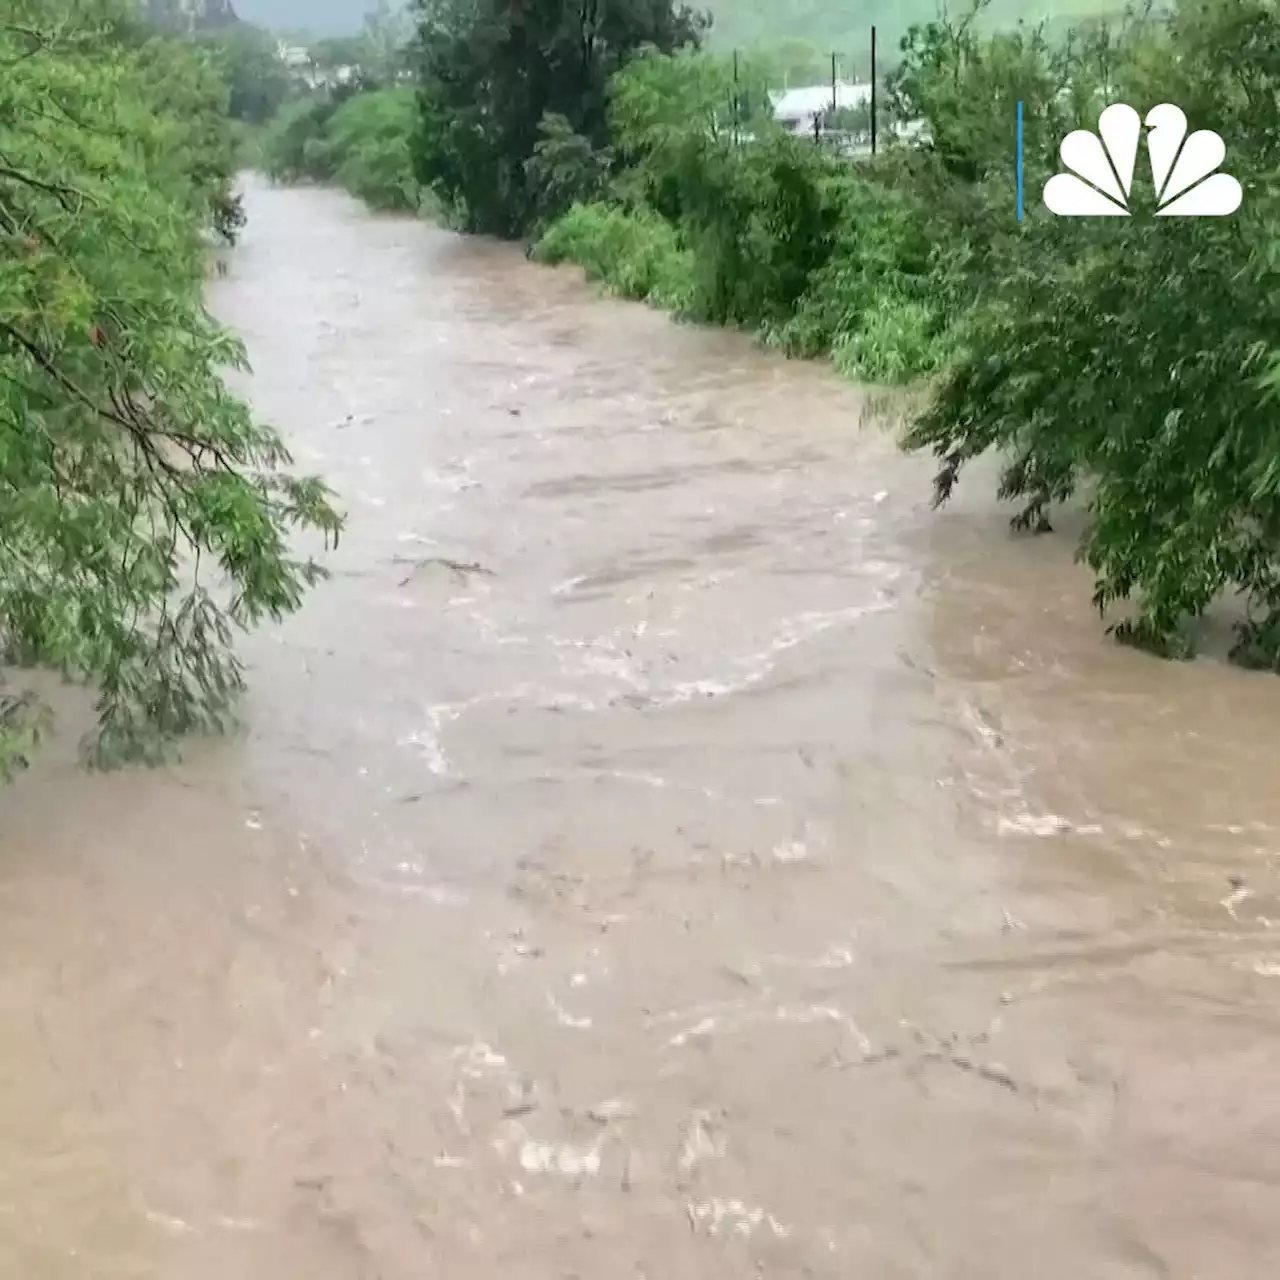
[873,90]
[831,120]
[735,97]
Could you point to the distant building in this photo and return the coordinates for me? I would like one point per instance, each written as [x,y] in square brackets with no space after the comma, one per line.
[299,60]
[914,131]
[797,110]
[338,75]
[293,55]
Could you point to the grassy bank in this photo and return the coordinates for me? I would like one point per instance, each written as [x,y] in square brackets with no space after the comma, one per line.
[873,307]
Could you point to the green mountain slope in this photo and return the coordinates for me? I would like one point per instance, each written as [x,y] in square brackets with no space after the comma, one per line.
[845,27]
[831,25]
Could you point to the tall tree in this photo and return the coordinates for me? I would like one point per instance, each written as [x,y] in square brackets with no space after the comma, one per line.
[387,33]
[259,83]
[491,71]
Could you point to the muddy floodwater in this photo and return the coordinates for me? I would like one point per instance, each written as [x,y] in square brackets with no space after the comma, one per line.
[664,849]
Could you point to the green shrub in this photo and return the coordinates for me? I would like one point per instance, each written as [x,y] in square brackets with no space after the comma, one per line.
[634,254]
[358,139]
[894,342]
[284,144]
[368,148]
[883,263]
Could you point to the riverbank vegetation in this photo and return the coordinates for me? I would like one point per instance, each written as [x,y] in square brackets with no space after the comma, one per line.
[1128,363]
[1134,361]
[147,516]
[512,112]
[778,236]
[356,137]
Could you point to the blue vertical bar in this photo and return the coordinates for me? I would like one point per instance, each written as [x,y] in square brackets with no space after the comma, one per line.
[1019,160]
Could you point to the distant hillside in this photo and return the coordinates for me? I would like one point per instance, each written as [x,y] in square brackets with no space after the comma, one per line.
[844,26]
[839,25]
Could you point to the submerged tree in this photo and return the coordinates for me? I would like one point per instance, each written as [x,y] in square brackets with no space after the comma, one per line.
[144,514]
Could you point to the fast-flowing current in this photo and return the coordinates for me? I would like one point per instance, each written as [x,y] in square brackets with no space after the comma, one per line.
[664,848]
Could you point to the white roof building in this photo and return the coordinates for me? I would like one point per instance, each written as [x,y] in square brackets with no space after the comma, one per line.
[797,109]
[299,59]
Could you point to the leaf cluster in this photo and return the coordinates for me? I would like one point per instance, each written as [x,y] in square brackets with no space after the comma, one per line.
[146,515]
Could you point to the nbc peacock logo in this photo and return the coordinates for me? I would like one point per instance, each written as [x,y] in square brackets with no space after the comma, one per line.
[1184,169]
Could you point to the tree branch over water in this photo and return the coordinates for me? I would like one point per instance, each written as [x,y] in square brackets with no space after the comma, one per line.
[127,462]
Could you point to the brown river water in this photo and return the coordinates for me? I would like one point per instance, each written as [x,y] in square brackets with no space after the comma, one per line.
[744,871]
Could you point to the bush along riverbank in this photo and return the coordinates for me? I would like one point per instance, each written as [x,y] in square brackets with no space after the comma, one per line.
[1129,362]
[356,137]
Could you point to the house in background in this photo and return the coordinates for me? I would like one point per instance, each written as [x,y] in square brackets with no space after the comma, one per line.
[299,60]
[293,56]
[798,110]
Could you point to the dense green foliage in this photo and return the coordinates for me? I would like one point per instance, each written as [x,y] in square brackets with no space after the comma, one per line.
[1135,361]
[356,132]
[779,235]
[360,140]
[146,515]
[499,85]
[634,254]
[258,83]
